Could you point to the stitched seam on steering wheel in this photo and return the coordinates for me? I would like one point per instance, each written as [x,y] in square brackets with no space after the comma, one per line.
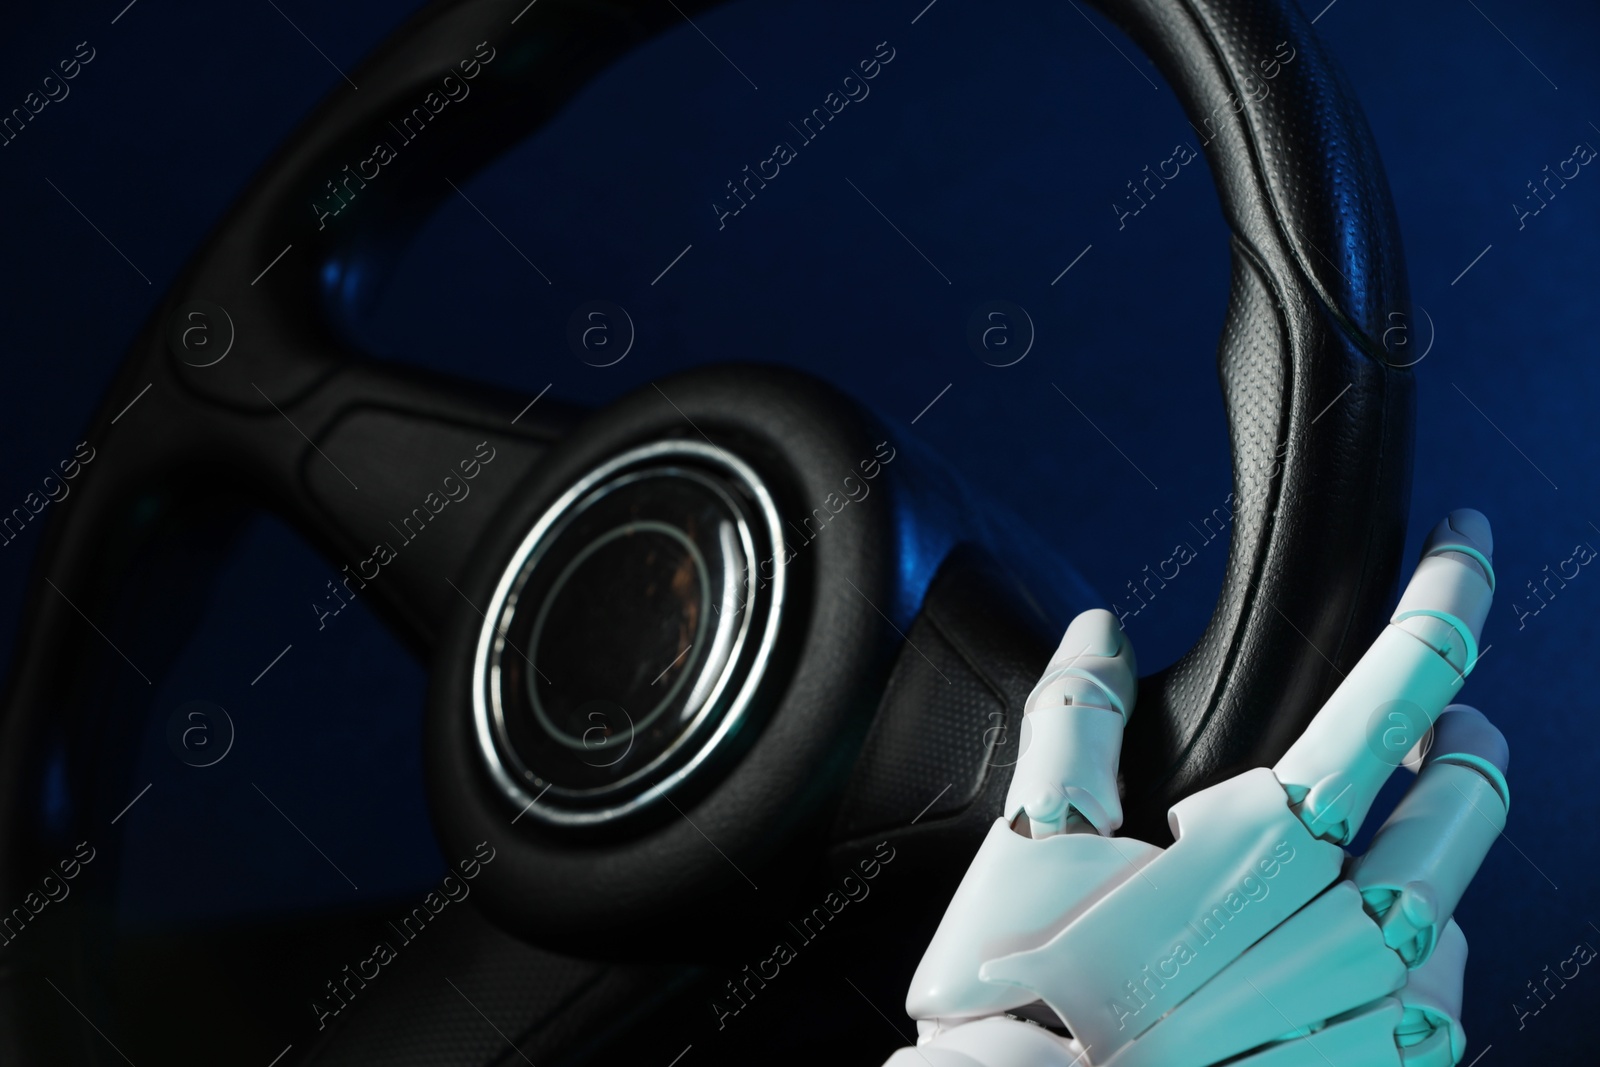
[1285,233]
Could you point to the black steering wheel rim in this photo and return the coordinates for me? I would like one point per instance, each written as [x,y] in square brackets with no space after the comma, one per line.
[1320,421]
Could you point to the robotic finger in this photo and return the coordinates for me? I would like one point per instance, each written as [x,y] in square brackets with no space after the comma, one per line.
[1046,859]
[1066,777]
[1429,1034]
[1418,1026]
[1333,772]
[1429,849]
[1362,1038]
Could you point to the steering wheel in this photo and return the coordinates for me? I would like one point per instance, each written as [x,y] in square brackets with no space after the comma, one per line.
[651,690]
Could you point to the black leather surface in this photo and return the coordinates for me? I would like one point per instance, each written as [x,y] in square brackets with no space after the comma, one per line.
[1315,550]
[938,734]
[947,732]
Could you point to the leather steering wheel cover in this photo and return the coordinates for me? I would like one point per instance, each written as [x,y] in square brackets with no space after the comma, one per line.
[1320,492]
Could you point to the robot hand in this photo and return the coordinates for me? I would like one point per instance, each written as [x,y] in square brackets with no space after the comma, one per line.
[1253,939]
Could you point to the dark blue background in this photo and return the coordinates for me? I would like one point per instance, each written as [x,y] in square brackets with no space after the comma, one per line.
[996,140]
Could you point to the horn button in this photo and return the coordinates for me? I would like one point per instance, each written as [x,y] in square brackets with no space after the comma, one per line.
[628,634]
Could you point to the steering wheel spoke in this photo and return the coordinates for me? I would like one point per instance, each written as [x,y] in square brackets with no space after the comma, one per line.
[397,473]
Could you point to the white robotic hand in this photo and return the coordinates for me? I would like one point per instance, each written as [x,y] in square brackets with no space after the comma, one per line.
[1254,939]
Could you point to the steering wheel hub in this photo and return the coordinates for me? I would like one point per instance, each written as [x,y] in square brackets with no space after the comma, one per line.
[628,633]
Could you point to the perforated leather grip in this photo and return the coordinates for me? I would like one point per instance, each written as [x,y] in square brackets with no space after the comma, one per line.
[1320,418]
